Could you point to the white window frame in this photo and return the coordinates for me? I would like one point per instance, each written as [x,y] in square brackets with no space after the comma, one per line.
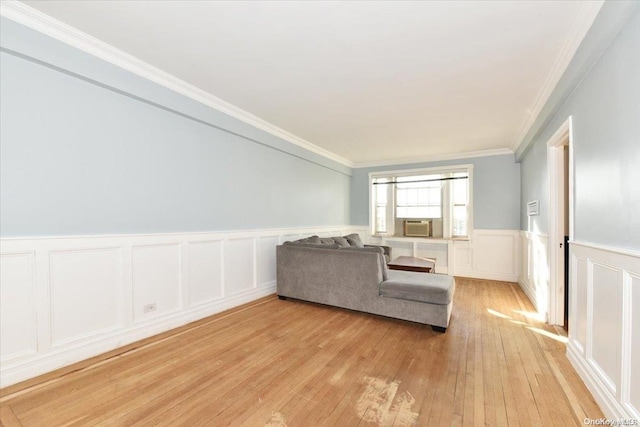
[447,206]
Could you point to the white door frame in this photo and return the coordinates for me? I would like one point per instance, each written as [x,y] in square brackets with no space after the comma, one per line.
[555,167]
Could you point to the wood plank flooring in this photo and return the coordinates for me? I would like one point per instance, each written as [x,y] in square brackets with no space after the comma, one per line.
[277,363]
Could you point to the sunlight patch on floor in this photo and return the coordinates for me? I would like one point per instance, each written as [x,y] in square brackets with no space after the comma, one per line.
[534,315]
[540,331]
[548,334]
[498,314]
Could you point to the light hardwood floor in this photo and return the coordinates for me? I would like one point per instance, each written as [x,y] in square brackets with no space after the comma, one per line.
[293,363]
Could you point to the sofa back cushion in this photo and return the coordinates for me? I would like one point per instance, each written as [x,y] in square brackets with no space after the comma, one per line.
[341,241]
[312,239]
[374,249]
[312,245]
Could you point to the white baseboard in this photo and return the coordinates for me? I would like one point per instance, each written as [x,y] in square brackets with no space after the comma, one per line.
[524,285]
[66,299]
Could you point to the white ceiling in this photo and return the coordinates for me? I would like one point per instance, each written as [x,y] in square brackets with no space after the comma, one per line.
[367,81]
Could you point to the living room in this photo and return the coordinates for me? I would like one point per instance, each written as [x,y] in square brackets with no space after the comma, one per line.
[134,203]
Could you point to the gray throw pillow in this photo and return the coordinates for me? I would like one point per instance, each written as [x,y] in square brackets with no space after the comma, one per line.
[354,240]
[312,239]
[327,241]
[341,241]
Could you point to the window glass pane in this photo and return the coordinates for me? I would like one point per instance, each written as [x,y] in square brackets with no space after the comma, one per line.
[410,180]
[460,191]
[460,220]
[401,197]
[434,212]
[381,194]
[435,196]
[412,197]
[423,196]
[381,219]
[422,199]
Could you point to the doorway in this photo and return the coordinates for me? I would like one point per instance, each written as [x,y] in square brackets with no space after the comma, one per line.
[560,169]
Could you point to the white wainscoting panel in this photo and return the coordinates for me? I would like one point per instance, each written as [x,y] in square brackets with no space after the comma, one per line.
[399,247]
[239,265]
[605,325]
[86,293]
[204,272]
[604,330]
[578,305]
[438,252]
[291,237]
[17,306]
[66,299]
[534,269]
[463,256]
[488,254]
[267,260]
[631,344]
[157,279]
[495,254]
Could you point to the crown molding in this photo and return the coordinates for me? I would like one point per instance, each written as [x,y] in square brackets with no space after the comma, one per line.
[583,20]
[45,24]
[436,158]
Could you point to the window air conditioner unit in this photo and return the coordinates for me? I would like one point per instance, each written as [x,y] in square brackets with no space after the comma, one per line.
[417,228]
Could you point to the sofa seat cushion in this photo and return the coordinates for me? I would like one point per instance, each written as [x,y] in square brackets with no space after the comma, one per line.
[422,287]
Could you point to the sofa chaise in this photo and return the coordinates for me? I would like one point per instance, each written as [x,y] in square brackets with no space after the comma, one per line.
[356,277]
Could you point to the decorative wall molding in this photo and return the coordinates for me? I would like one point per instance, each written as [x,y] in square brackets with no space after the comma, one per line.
[66,299]
[36,20]
[604,343]
[436,158]
[577,30]
[604,248]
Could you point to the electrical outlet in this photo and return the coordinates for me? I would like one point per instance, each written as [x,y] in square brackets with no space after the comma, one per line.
[149,308]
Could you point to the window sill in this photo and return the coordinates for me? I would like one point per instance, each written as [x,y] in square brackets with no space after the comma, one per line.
[421,239]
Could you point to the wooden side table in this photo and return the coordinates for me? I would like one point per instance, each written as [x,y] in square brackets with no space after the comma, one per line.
[409,263]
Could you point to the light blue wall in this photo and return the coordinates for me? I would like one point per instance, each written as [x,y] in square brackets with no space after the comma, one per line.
[88,148]
[605,111]
[496,190]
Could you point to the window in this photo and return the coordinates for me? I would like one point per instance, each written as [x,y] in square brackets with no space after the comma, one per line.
[439,195]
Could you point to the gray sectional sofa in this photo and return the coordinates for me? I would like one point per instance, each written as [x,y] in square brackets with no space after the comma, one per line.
[343,272]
